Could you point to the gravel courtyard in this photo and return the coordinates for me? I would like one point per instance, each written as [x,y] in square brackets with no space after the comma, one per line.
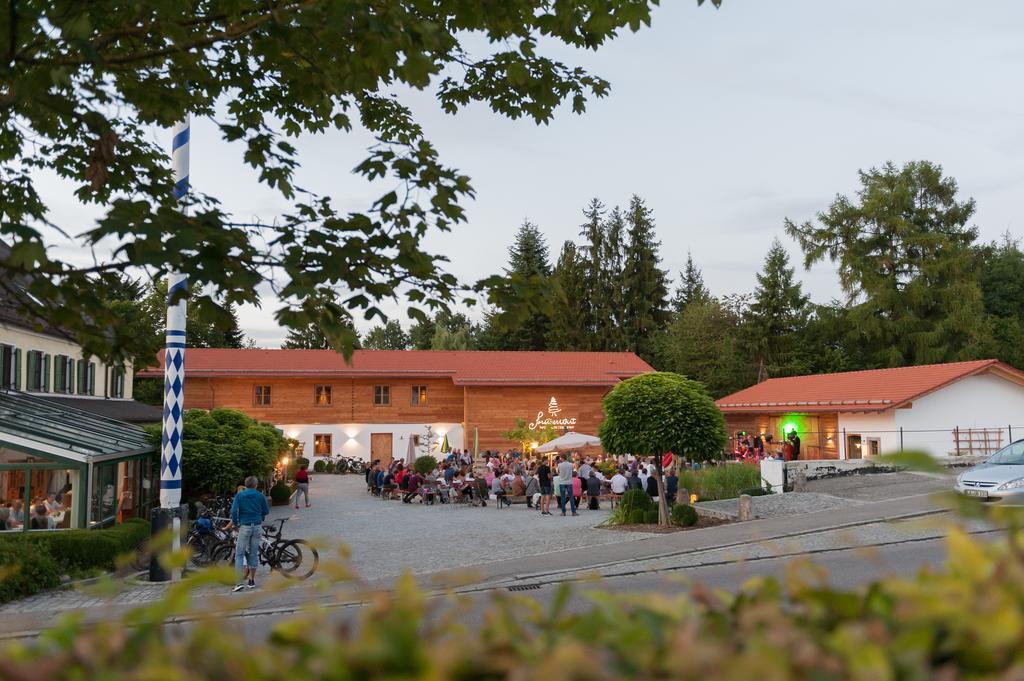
[386,537]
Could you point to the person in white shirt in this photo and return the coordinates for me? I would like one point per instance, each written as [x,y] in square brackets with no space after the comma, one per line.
[619,483]
[643,475]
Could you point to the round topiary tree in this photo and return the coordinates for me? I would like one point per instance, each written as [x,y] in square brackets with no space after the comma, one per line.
[424,464]
[656,413]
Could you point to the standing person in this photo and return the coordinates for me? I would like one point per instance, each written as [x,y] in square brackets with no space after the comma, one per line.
[302,484]
[619,483]
[248,510]
[565,485]
[544,483]
[593,491]
[794,439]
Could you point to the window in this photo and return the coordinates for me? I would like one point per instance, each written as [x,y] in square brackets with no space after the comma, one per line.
[322,396]
[419,396]
[10,367]
[382,395]
[38,371]
[261,396]
[322,445]
[115,386]
[86,377]
[63,374]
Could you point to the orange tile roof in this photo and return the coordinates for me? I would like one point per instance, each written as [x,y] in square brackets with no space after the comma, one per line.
[872,390]
[463,367]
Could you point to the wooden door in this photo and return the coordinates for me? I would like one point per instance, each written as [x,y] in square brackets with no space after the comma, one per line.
[381,447]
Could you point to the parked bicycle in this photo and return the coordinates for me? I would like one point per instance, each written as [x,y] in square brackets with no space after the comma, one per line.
[293,558]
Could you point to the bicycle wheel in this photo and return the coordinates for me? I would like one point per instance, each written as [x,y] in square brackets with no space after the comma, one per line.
[342,466]
[296,559]
[202,546]
[223,552]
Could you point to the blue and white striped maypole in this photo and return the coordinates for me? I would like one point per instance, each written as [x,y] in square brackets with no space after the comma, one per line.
[174,354]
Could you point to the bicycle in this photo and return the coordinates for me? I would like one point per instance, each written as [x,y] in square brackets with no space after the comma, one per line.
[287,556]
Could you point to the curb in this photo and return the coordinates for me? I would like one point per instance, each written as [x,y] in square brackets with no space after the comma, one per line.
[787,535]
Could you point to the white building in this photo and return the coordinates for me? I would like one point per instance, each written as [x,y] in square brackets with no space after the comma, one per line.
[944,409]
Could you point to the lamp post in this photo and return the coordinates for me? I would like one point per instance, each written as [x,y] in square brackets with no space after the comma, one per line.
[174,354]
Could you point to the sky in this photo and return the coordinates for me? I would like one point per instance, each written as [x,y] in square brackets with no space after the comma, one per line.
[724,121]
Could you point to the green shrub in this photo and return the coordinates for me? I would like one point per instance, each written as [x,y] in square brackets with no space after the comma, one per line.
[328,467]
[295,464]
[319,466]
[636,516]
[280,493]
[636,499]
[73,552]
[223,446]
[727,481]
[26,568]
[683,515]
[424,464]
[651,517]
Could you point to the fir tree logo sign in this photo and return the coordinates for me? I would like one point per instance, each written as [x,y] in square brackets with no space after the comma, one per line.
[553,407]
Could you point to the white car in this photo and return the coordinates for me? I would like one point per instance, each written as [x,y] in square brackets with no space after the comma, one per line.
[998,478]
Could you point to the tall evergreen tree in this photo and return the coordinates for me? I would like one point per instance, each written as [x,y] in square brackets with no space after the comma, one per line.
[610,332]
[591,255]
[778,316]
[528,261]
[568,329]
[207,324]
[691,287]
[906,263]
[389,336]
[645,284]
[1002,290]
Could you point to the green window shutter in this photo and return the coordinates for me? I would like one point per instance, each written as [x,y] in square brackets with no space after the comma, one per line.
[92,378]
[17,368]
[58,373]
[71,377]
[46,373]
[80,385]
[30,369]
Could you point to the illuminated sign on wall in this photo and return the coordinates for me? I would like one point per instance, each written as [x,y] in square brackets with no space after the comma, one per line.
[552,418]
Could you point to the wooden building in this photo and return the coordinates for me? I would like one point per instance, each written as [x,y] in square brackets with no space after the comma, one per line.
[383,400]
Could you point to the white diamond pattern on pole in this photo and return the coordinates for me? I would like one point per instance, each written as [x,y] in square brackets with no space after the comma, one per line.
[174,353]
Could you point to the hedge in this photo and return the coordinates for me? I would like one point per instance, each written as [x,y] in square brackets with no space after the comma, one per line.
[26,568]
[958,620]
[683,515]
[44,556]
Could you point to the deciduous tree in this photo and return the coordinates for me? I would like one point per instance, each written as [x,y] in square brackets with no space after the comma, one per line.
[85,83]
[656,413]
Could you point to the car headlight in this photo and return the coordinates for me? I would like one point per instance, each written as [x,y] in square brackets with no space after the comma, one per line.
[1013,484]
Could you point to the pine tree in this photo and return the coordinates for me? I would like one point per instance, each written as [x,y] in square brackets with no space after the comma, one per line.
[644,283]
[591,255]
[778,317]
[568,329]
[528,260]
[610,332]
[308,338]
[691,287]
[389,336]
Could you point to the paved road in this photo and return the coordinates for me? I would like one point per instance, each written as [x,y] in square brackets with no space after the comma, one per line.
[502,547]
[846,568]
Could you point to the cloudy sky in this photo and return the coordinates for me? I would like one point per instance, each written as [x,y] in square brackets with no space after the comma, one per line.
[725,121]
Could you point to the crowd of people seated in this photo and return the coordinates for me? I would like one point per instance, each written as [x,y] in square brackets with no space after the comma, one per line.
[46,513]
[572,479]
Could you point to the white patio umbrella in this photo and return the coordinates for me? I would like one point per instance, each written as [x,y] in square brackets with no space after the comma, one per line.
[570,441]
[410,454]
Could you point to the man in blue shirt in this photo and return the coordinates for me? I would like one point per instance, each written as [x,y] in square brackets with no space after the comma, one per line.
[247,513]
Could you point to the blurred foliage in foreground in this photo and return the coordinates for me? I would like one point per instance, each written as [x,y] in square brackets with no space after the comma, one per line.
[965,621]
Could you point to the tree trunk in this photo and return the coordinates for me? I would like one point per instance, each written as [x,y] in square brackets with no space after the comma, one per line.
[662,501]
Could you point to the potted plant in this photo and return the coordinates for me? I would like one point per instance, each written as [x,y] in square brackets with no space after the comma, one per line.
[280,493]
